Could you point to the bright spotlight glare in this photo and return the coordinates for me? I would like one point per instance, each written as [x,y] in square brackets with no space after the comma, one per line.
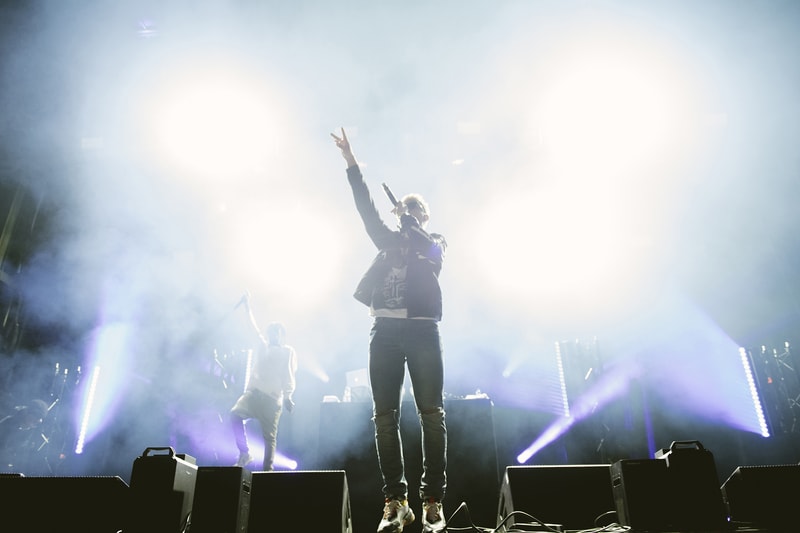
[558,428]
[608,388]
[215,126]
[285,264]
[109,350]
[282,461]
[553,243]
[610,111]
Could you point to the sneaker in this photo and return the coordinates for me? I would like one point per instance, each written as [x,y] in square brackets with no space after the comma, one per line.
[432,516]
[244,459]
[396,515]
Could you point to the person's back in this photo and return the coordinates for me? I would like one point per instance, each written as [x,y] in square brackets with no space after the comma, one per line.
[273,370]
[268,391]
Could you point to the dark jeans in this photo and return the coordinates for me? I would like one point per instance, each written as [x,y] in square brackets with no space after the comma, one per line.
[395,343]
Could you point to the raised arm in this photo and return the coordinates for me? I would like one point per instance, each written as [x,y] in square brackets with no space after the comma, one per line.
[382,236]
[344,146]
[251,317]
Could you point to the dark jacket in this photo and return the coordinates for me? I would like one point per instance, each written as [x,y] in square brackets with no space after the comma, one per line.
[423,253]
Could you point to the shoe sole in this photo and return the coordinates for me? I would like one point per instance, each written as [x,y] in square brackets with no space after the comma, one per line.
[393,529]
[428,528]
[397,528]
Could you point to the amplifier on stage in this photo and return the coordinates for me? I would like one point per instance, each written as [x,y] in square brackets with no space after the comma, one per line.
[279,501]
[222,500]
[162,491]
[697,497]
[677,491]
[570,497]
[640,491]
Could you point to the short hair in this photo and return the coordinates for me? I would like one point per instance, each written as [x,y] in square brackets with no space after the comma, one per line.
[275,332]
[413,197]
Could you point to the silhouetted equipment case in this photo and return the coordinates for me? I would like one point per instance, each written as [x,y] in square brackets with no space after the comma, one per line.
[677,491]
[640,492]
[279,501]
[692,475]
[49,504]
[571,496]
[221,500]
[162,491]
[763,496]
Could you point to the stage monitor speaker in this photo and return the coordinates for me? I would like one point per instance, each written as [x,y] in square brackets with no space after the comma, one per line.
[574,496]
[162,491]
[221,500]
[763,496]
[286,501]
[48,504]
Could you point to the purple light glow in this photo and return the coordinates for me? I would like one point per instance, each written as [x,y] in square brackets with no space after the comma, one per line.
[609,387]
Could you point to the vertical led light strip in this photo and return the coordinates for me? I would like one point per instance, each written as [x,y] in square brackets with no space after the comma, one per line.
[87,410]
[751,383]
[562,381]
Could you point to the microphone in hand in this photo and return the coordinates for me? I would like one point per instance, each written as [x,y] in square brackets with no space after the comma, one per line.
[389,194]
[408,221]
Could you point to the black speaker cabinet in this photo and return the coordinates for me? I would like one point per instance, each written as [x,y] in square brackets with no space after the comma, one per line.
[162,491]
[695,496]
[48,504]
[221,500]
[763,496]
[677,491]
[640,493]
[302,500]
[573,496]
